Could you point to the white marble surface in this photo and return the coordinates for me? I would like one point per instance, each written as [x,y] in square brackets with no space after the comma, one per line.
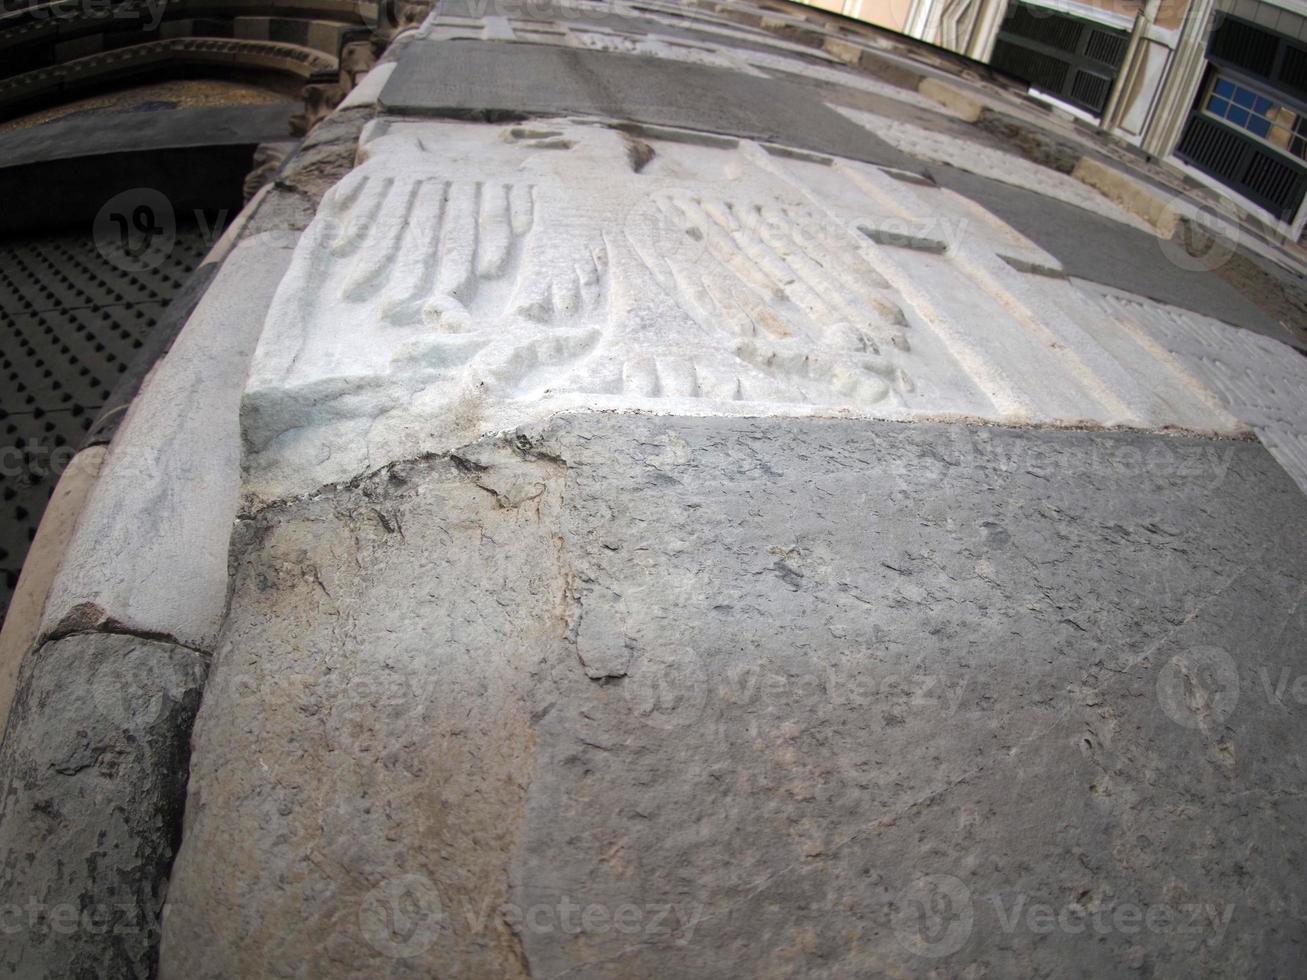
[465,278]
[149,555]
[1258,379]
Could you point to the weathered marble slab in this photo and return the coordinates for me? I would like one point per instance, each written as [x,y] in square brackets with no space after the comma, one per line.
[467,276]
[1257,378]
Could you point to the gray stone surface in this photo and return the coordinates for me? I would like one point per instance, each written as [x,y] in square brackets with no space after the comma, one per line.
[469,78]
[150,552]
[658,697]
[1094,247]
[93,770]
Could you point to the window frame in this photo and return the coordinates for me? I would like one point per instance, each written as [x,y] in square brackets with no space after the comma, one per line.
[1260,89]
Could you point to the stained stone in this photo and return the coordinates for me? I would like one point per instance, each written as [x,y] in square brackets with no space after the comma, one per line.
[94,776]
[874,698]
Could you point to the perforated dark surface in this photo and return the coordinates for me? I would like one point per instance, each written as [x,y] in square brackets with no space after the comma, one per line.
[71,321]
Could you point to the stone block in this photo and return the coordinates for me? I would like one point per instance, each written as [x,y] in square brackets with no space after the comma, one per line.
[1132,194]
[23,619]
[956,101]
[94,766]
[465,278]
[150,552]
[882,697]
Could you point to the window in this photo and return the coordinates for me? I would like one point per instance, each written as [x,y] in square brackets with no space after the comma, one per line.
[1244,107]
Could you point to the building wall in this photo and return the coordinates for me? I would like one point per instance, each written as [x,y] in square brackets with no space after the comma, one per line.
[890,14]
[1274,17]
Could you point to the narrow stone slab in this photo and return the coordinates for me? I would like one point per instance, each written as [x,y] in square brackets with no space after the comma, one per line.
[1096,248]
[94,766]
[23,619]
[694,697]
[468,77]
[150,552]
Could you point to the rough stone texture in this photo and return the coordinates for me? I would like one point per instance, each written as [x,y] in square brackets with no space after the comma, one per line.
[409,720]
[713,697]
[471,78]
[326,155]
[94,776]
[150,552]
[672,30]
[23,619]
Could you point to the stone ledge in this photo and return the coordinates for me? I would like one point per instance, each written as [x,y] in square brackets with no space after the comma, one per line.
[23,619]
[150,552]
[1157,208]
[956,101]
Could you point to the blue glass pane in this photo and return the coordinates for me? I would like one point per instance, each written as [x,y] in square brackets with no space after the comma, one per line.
[1224,88]
[1245,97]
[1218,106]
[1238,116]
[1262,107]
[1259,126]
